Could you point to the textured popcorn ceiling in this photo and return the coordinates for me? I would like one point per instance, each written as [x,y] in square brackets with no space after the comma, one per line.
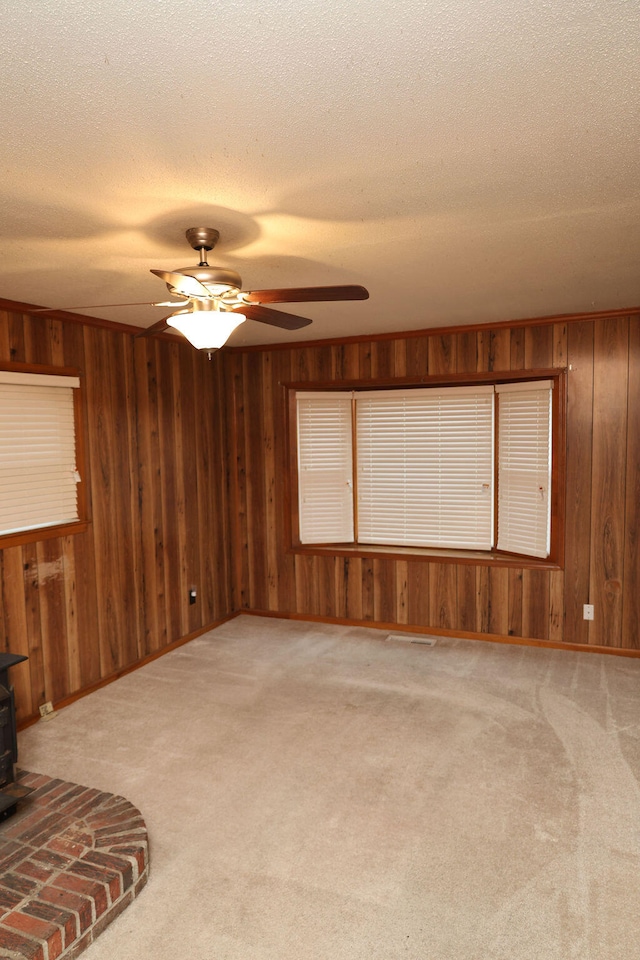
[466,160]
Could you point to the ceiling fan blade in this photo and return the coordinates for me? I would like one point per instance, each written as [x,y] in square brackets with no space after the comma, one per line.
[103,306]
[275,317]
[187,286]
[159,327]
[307,294]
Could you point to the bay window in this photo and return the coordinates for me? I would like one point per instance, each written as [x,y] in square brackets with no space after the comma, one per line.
[460,467]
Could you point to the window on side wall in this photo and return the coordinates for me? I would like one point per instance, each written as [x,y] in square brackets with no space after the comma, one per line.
[39,470]
[446,467]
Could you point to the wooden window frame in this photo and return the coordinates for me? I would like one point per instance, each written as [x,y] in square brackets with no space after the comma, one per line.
[37,534]
[492,557]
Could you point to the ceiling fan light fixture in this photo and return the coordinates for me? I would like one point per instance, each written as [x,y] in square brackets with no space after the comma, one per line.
[206,329]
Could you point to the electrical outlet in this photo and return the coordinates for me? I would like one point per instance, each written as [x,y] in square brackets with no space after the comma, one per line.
[587,611]
[193,593]
[46,711]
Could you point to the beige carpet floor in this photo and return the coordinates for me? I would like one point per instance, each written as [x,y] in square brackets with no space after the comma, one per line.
[317,792]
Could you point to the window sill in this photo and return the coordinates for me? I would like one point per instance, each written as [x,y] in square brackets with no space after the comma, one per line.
[428,554]
[42,533]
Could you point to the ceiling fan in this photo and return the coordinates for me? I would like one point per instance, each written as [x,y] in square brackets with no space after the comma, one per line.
[213,303]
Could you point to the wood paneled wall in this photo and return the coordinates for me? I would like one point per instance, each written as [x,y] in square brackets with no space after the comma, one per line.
[87,606]
[602,527]
[186,483]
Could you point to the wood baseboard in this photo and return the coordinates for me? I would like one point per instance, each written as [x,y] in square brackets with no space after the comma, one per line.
[446,632]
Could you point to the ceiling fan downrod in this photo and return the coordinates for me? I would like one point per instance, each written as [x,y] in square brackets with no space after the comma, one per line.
[202,239]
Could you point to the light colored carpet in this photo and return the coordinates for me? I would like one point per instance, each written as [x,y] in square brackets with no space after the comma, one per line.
[314,792]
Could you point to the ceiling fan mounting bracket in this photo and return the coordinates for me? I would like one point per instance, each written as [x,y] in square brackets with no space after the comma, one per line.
[202,238]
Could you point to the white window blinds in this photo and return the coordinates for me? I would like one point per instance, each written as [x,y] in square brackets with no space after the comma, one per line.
[424,467]
[37,451]
[325,468]
[524,469]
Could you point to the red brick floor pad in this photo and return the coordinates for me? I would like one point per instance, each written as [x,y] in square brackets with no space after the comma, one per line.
[71,860]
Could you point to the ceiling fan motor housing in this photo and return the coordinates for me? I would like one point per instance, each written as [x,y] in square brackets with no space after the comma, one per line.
[219,281]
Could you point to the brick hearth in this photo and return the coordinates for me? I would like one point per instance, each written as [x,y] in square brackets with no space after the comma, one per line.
[71,860]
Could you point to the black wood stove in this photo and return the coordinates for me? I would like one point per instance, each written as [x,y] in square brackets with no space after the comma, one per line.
[10,791]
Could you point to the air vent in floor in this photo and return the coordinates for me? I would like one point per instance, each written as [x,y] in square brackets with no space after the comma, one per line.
[414,638]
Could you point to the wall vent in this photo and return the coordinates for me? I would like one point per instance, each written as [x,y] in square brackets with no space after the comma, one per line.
[411,638]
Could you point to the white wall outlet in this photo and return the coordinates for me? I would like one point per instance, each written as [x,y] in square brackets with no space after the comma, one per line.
[587,611]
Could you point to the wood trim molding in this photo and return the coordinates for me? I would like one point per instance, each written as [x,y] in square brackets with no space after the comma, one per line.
[11,366]
[429,380]
[446,632]
[439,331]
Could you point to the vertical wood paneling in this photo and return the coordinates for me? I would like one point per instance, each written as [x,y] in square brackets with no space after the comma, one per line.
[610,385]
[238,492]
[34,631]
[418,591]
[560,345]
[189,474]
[579,455]
[150,497]
[215,577]
[535,604]
[417,350]
[515,603]
[402,592]
[37,343]
[442,354]
[482,599]
[631,582]
[5,346]
[538,347]
[352,581]
[285,570]
[368,590]
[345,362]
[385,586]
[556,605]
[467,352]
[399,358]
[382,359]
[442,594]
[517,348]
[498,613]
[70,637]
[107,439]
[255,487]
[270,474]
[365,364]
[53,627]
[505,601]
[86,605]
[326,580]
[466,597]
[494,351]
[16,637]
[186,482]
